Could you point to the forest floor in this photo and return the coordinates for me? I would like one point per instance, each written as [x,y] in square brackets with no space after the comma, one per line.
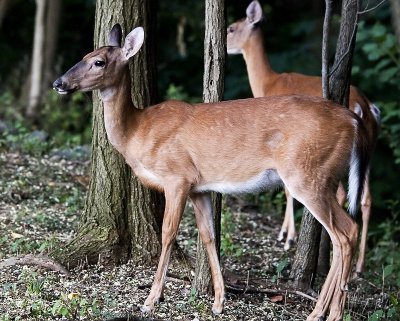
[41,199]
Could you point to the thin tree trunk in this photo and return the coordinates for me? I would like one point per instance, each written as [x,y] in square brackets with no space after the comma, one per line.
[4,5]
[324,254]
[325,242]
[339,83]
[122,219]
[395,5]
[213,88]
[325,49]
[52,23]
[35,91]
[306,257]
[340,77]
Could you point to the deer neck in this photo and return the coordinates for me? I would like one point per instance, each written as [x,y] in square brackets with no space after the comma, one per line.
[259,69]
[119,112]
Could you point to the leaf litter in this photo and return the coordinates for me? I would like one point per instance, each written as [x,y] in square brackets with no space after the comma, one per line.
[41,199]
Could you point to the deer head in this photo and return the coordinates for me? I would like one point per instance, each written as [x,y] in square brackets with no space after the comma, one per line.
[240,31]
[101,68]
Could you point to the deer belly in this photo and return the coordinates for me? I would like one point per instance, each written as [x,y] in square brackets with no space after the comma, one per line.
[265,180]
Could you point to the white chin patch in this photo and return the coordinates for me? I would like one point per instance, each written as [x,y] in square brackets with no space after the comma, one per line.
[234,51]
[61,92]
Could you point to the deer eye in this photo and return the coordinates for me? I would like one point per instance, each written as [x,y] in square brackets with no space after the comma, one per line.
[99,63]
[231,29]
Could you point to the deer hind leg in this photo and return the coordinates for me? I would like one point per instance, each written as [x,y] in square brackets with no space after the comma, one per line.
[175,199]
[366,203]
[205,223]
[343,233]
[288,229]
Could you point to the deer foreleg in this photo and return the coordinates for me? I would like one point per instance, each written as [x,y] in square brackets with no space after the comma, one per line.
[175,199]
[288,229]
[366,213]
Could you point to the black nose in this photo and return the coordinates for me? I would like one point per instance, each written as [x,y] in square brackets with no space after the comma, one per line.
[58,84]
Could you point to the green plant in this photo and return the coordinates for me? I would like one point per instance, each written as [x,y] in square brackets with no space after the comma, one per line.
[378,68]
[73,306]
[23,140]
[228,224]
[347,317]
[67,121]
[385,258]
[279,269]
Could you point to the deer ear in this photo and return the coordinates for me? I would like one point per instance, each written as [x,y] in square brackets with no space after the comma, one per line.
[115,36]
[133,42]
[254,12]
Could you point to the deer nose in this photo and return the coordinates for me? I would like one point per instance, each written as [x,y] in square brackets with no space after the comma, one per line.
[58,84]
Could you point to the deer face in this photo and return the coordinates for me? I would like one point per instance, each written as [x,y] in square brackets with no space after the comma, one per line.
[239,32]
[101,68]
[94,71]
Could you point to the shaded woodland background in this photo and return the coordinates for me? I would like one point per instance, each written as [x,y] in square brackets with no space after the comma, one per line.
[293,32]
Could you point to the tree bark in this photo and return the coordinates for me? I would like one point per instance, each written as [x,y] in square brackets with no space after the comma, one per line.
[213,88]
[35,90]
[44,46]
[339,84]
[324,254]
[395,4]
[325,242]
[340,76]
[325,49]
[52,23]
[4,5]
[122,219]
[305,261]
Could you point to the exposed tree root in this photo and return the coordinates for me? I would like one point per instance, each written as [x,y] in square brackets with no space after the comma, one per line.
[37,260]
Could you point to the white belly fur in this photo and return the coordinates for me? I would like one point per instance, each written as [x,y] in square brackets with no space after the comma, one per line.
[265,180]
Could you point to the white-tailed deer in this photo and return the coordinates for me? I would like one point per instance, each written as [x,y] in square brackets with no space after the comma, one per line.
[245,37]
[241,146]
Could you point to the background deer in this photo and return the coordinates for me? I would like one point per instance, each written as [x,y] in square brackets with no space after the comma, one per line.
[238,146]
[245,37]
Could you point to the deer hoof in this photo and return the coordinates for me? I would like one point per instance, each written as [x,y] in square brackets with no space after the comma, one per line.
[217,309]
[146,308]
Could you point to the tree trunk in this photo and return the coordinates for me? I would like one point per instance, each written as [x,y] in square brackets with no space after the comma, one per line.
[395,4]
[35,91]
[306,257]
[44,46]
[52,23]
[122,219]
[340,77]
[324,254]
[4,4]
[339,83]
[213,88]
[325,242]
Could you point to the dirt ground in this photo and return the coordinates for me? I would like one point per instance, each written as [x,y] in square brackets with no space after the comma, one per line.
[41,199]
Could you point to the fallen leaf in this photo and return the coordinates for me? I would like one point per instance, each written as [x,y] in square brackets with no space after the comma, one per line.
[277,298]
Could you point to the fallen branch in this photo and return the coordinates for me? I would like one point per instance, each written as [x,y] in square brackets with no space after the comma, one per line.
[252,290]
[38,260]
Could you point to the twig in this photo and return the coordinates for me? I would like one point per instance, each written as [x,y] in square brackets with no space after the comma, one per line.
[38,260]
[247,281]
[305,295]
[371,9]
